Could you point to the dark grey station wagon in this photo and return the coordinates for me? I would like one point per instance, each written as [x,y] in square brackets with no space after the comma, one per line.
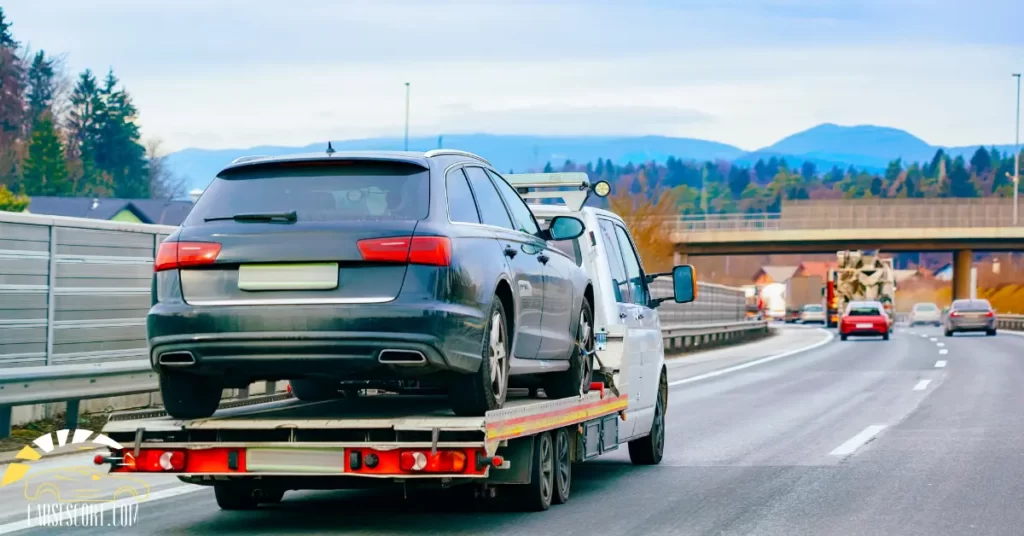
[339,269]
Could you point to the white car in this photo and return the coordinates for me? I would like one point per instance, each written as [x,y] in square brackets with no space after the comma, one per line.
[629,344]
[925,313]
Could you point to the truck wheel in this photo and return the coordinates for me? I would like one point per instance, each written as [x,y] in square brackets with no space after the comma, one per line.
[650,449]
[538,494]
[576,380]
[319,390]
[563,466]
[476,394]
[189,396]
[235,497]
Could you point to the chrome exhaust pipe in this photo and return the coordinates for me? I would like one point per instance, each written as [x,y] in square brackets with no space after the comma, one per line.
[402,357]
[177,359]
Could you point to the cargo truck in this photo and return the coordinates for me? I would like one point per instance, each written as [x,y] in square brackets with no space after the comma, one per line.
[860,276]
[802,290]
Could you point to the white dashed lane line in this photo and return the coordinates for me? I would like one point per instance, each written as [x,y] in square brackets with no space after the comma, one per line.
[858,440]
[922,385]
[940,364]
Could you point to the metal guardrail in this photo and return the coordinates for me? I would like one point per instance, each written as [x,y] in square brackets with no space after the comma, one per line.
[1010,322]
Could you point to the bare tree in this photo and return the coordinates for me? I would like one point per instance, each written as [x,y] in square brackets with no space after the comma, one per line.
[163,183]
[646,209]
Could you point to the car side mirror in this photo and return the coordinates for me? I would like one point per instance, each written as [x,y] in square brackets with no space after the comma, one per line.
[684,283]
[565,228]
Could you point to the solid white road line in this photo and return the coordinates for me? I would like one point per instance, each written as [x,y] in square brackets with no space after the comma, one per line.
[940,364]
[111,507]
[755,362]
[858,440]
[922,385]
[943,351]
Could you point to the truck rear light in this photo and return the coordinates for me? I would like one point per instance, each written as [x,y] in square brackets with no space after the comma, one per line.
[442,461]
[174,255]
[154,461]
[428,250]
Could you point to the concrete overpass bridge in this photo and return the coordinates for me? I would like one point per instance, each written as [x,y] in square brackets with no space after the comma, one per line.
[960,226]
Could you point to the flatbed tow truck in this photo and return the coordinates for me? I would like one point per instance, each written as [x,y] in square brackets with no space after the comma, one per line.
[252,455]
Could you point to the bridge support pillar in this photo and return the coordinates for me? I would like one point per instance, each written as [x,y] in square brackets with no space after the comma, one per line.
[963,260]
[679,258]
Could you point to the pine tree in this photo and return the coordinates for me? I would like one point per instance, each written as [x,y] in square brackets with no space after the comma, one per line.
[548,168]
[41,85]
[12,104]
[45,170]
[83,119]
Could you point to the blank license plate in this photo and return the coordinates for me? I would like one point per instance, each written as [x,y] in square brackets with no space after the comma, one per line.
[320,276]
[865,326]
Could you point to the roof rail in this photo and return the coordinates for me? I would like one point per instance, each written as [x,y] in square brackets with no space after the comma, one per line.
[241,159]
[454,152]
[573,188]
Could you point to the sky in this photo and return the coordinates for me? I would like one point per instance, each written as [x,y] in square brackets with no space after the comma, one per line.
[235,74]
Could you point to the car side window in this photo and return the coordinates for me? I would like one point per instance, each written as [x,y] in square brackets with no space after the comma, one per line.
[520,212]
[634,274]
[461,204]
[492,210]
[615,263]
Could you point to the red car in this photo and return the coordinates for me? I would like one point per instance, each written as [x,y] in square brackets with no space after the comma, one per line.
[866,318]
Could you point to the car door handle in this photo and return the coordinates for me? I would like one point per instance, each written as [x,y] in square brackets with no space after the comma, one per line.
[509,252]
[543,258]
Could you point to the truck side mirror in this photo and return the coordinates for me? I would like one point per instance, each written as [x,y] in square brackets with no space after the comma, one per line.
[684,283]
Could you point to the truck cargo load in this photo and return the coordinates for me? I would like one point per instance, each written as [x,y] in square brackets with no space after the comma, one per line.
[861,276]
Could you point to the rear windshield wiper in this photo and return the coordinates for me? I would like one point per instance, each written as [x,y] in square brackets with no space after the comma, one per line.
[259,216]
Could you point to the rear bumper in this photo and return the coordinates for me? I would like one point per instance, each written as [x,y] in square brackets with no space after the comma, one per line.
[973,325]
[342,342]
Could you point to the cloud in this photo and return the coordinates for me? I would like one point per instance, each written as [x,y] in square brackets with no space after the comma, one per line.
[232,73]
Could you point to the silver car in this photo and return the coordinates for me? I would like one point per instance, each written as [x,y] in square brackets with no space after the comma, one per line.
[812,314]
[926,313]
[970,315]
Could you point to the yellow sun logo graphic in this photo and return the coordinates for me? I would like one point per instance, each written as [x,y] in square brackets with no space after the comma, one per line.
[17,471]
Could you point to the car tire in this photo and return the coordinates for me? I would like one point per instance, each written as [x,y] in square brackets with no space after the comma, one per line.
[563,465]
[991,333]
[885,336]
[576,380]
[485,390]
[843,336]
[189,396]
[308,390]
[948,333]
[650,449]
[235,497]
[538,495]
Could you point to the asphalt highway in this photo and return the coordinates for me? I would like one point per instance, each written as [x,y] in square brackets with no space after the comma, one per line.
[921,434]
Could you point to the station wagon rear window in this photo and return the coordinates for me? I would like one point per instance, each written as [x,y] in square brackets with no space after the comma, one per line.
[343,191]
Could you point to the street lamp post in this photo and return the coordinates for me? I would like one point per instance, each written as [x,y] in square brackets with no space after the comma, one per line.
[1016,154]
[407,116]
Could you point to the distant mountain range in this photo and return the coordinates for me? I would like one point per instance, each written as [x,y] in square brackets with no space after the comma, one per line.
[864,146]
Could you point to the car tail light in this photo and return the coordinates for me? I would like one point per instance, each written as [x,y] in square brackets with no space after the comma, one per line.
[954,313]
[989,314]
[154,461]
[428,250]
[423,461]
[174,255]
